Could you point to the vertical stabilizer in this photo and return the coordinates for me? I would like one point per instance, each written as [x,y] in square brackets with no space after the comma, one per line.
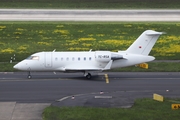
[144,42]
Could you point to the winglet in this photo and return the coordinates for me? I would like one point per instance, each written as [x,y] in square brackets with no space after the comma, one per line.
[155,33]
[108,66]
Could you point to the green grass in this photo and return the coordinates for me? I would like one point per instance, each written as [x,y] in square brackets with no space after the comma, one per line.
[143,109]
[153,67]
[7,67]
[25,38]
[90,4]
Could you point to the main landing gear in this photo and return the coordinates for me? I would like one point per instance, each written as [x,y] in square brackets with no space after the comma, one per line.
[87,75]
[29,75]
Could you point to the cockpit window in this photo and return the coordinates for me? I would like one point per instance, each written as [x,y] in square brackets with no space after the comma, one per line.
[28,58]
[33,58]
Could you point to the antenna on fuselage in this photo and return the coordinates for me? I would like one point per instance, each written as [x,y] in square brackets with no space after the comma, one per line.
[54,50]
[90,50]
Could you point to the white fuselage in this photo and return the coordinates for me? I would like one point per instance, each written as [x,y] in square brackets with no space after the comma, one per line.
[66,61]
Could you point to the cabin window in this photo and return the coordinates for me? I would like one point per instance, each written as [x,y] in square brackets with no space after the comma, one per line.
[84,58]
[67,59]
[89,58]
[73,58]
[79,58]
[61,59]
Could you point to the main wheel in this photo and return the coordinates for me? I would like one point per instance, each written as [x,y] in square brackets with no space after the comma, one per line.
[88,76]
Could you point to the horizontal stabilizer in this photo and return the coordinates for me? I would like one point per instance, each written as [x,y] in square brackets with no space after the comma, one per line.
[155,33]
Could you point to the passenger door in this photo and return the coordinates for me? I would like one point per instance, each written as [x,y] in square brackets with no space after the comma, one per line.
[48,59]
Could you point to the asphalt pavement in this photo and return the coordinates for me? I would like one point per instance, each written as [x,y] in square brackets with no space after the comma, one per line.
[22,98]
[49,87]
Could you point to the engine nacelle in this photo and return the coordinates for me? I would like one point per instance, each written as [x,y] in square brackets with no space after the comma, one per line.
[103,56]
[106,56]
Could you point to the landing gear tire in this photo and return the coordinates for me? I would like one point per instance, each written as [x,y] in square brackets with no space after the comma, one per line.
[88,76]
[29,76]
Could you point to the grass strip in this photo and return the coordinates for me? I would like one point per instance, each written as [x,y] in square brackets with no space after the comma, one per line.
[143,109]
[25,38]
[91,4]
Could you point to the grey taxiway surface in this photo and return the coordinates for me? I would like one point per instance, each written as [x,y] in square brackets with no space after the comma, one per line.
[26,98]
[89,15]
[48,87]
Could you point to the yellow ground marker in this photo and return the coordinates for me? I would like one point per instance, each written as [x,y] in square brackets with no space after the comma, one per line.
[143,65]
[158,97]
[175,106]
[106,77]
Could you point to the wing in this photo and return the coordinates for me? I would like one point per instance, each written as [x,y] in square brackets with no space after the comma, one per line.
[75,67]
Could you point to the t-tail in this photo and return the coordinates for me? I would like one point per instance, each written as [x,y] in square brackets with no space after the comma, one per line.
[144,43]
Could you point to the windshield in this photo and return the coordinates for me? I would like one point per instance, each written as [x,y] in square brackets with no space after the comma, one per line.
[32,58]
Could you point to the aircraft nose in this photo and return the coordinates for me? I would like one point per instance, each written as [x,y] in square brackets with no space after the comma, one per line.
[16,66]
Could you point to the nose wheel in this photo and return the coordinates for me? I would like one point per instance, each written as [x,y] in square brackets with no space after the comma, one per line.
[29,75]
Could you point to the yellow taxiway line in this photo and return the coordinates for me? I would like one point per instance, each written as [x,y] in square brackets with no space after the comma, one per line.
[106,77]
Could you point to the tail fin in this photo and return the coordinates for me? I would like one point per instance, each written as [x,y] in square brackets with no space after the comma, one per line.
[144,42]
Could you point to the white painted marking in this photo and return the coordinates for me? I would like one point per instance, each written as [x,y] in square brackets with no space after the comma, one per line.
[103,97]
[89,15]
[64,98]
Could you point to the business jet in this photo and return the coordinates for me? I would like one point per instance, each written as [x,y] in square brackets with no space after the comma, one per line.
[90,61]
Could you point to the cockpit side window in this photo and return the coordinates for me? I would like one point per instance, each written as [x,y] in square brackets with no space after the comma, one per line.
[33,58]
[28,58]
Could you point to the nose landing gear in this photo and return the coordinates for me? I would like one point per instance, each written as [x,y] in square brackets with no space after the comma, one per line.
[29,75]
